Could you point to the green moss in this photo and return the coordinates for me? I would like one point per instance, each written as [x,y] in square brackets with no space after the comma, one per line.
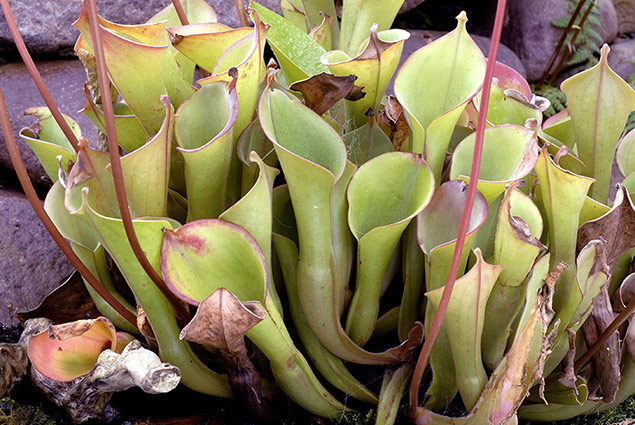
[367,418]
[14,413]
[615,416]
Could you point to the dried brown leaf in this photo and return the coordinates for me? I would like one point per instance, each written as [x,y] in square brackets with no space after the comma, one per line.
[547,314]
[606,361]
[568,379]
[66,331]
[395,119]
[68,302]
[143,324]
[375,46]
[323,90]
[222,321]
[13,365]
[554,275]
[88,396]
[522,230]
[81,171]
[617,228]
[32,131]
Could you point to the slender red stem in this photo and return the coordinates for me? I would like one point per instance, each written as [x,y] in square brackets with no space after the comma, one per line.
[240,9]
[113,150]
[184,21]
[180,12]
[558,48]
[574,37]
[435,327]
[37,78]
[615,324]
[27,186]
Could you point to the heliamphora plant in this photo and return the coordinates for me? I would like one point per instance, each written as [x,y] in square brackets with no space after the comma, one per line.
[289,199]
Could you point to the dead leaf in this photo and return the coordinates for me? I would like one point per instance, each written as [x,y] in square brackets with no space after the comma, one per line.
[68,302]
[569,379]
[14,363]
[520,368]
[394,118]
[33,131]
[143,324]
[375,46]
[88,396]
[519,226]
[323,90]
[222,321]
[81,171]
[605,372]
[519,97]
[547,314]
[14,360]
[617,228]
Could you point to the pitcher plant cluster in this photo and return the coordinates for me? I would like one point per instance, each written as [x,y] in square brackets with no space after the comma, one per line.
[261,213]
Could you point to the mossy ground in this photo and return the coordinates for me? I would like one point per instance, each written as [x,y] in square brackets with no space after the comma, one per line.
[13,412]
[624,414]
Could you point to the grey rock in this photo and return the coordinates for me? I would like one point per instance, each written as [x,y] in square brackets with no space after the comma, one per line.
[46,27]
[31,265]
[569,72]
[227,14]
[528,30]
[65,80]
[409,5]
[608,17]
[622,56]
[625,15]
[505,54]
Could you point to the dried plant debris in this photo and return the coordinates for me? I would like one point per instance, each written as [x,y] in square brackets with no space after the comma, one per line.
[617,228]
[14,361]
[68,302]
[605,373]
[221,321]
[392,116]
[323,90]
[88,397]
[13,365]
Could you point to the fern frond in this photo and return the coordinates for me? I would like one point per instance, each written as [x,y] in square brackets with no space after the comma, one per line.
[581,55]
[630,122]
[593,20]
[560,22]
[593,34]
